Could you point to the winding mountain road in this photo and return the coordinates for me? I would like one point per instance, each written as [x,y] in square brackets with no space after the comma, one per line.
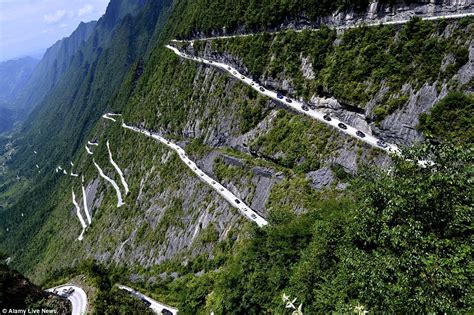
[156,306]
[79,215]
[78,298]
[117,168]
[113,183]
[84,202]
[220,189]
[339,28]
[295,104]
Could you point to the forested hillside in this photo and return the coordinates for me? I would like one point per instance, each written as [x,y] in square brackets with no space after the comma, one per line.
[350,227]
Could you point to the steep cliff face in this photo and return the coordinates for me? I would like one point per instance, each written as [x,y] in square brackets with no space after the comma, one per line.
[13,76]
[380,93]
[51,67]
[394,11]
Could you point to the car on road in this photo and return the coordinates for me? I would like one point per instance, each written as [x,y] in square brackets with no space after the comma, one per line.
[253,216]
[305,108]
[222,189]
[242,77]
[262,89]
[288,100]
[229,68]
[237,201]
[342,126]
[382,144]
[146,302]
[213,182]
[279,96]
[244,209]
[210,61]
[67,292]
[234,73]
[312,106]
[360,134]
[327,118]
[202,174]
[166,312]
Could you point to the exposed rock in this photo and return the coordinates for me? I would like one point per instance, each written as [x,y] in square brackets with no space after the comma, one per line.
[320,178]
[400,127]
[342,186]
[466,73]
[307,68]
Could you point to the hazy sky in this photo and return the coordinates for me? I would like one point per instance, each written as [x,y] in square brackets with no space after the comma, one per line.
[28,27]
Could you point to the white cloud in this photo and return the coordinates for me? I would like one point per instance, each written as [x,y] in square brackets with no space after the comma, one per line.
[85,10]
[54,17]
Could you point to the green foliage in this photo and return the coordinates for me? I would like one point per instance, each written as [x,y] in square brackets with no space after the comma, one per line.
[295,142]
[225,171]
[251,113]
[361,63]
[402,246]
[450,120]
[209,17]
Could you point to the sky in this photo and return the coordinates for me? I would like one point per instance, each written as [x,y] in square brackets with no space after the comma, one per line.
[29,27]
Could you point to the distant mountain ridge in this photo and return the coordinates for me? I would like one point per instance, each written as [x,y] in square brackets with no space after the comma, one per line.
[14,74]
[55,61]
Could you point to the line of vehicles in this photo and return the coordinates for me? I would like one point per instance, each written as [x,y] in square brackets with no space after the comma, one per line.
[304,107]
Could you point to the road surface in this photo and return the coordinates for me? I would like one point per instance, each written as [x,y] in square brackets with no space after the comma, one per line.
[339,28]
[293,103]
[156,306]
[117,168]
[78,298]
[220,189]
[113,183]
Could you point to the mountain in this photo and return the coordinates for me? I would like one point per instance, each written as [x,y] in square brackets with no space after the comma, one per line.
[235,174]
[14,74]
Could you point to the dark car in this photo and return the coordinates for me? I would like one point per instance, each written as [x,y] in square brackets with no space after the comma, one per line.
[288,100]
[229,68]
[312,106]
[360,134]
[305,108]
[237,201]
[253,216]
[210,61]
[262,89]
[342,126]
[166,312]
[327,118]
[146,302]
[382,144]
[279,96]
